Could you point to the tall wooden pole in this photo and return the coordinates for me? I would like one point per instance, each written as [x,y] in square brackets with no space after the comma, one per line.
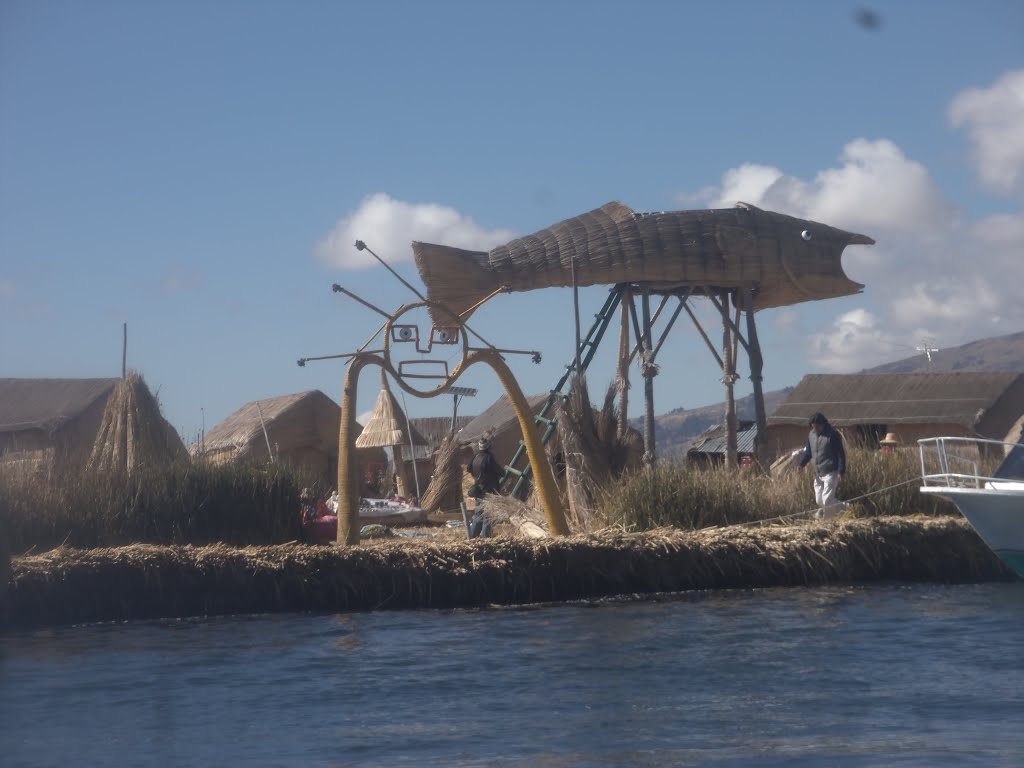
[124,353]
[649,372]
[729,379]
[622,374]
[756,366]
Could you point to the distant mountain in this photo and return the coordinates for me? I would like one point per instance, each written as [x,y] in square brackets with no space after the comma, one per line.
[999,353]
[677,429]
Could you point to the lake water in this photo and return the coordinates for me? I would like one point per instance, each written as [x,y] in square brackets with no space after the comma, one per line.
[852,676]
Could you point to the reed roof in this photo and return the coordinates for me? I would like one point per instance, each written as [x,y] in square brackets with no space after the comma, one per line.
[303,420]
[897,398]
[387,425]
[433,429]
[496,419]
[46,404]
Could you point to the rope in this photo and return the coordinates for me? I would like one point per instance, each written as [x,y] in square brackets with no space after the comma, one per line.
[847,501]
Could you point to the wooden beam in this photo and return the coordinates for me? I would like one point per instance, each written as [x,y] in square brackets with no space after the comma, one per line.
[735,326]
[704,336]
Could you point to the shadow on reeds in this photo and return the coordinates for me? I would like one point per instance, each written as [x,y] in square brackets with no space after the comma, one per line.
[692,498]
[178,503]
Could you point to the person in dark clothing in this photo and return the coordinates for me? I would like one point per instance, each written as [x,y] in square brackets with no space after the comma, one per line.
[825,449]
[486,473]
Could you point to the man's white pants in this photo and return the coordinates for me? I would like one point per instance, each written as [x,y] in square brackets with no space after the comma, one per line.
[825,495]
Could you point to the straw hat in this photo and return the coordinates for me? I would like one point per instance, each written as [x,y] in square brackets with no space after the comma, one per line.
[889,439]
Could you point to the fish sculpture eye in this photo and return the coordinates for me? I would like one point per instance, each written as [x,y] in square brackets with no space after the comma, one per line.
[806,234]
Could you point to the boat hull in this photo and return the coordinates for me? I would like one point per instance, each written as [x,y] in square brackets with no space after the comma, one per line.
[997,514]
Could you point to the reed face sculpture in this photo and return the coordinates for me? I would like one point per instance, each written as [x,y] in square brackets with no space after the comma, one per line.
[423,352]
[426,349]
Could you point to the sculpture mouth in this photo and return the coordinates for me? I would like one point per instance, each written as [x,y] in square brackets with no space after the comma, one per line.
[436,370]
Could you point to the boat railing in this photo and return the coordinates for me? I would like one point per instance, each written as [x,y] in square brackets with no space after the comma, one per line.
[961,462]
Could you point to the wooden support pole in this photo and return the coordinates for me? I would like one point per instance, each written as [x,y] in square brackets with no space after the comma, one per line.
[622,374]
[649,372]
[704,335]
[756,366]
[729,379]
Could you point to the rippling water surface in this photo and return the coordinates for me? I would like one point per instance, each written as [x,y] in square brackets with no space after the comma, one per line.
[877,675]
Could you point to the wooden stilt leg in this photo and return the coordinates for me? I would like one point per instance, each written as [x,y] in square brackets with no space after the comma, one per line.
[622,374]
[729,379]
[756,366]
[649,372]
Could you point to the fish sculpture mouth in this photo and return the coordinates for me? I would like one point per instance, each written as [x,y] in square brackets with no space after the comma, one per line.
[781,259]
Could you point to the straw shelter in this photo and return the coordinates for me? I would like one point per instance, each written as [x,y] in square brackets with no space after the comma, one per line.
[299,430]
[868,406]
[54,423]
[388,427]
[133,434]
[433,430]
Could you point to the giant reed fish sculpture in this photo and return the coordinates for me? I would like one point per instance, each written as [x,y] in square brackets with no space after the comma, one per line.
[787,260]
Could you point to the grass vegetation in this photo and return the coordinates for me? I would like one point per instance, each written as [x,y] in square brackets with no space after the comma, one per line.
[177,503]
[691,498]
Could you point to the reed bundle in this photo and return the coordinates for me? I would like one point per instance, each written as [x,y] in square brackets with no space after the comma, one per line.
[595,454]
[146,581]
[132,432]
[444,493]
[388,425]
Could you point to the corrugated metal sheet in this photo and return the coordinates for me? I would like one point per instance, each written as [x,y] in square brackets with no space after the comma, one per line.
[897,398]
[713,440]
[47,403]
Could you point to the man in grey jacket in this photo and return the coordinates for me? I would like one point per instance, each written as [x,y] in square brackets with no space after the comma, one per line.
[825,448]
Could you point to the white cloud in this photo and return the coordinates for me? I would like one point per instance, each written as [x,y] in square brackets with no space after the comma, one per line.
[389,226]
[994,120]
[934,272]
[876,186]
[853,338]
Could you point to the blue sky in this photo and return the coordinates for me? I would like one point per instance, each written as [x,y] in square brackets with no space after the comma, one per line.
[182,166]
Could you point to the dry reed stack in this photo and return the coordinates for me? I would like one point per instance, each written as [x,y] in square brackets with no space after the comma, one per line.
[144,581]
[132,432]
[594,452]
[444,494]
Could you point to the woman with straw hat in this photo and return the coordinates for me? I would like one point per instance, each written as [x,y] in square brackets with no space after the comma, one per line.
[888,443]
[486,473]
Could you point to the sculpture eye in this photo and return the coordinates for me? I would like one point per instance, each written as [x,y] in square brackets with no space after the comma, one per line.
[806,234]
[403,332]
[444,335]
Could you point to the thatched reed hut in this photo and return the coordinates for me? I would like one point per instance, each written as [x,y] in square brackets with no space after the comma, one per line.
[299,430]
[867,406]
[57,423]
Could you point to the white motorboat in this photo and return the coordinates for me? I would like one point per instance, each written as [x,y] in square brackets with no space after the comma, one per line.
[993,503]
